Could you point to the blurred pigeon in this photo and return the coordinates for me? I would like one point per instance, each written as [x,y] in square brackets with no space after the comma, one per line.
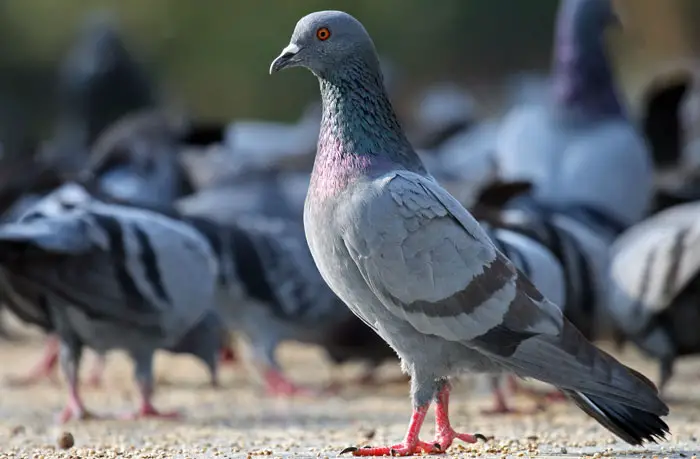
[28,303]
[271,291]
[412,263]
[580,150]
[443,110]
[99,81]
[114,277]
[257,192]
[654,293]
[136,159]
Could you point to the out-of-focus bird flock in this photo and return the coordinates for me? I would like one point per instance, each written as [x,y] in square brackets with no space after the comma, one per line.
[134,226]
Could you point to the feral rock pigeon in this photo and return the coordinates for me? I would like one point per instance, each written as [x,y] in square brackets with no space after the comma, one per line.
[136,159]
[415,266]
[654,293]
[580,150]
[97,64]
[271,291]
[114,277]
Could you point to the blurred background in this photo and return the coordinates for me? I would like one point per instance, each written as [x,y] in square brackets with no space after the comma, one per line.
[214,57]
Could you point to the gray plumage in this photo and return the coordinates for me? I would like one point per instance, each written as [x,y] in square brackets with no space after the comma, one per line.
[270,291]
[136,159]
[654,292]
[579,147]
[115,277]
[270,193]
[415,266]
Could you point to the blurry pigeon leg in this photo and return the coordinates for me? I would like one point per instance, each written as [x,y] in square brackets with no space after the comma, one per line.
[98,368]
[411,445]
[227,356]
[666,372]
[500,406]
[144,378]
[70,354]
[276,383]
[44,368]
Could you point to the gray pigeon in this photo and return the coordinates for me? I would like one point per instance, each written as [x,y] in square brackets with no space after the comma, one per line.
[654,293]
[579,148]
[415,266]
[271,291]
[136,159]
[115,277]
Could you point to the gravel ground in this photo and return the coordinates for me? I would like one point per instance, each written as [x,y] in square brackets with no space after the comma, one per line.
[237,420]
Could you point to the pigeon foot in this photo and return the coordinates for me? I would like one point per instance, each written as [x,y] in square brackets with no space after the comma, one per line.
[44,369]
[76,412]
[401,449]
[277,384]
[148,411]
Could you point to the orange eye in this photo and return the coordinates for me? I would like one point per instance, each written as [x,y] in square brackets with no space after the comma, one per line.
[323,34]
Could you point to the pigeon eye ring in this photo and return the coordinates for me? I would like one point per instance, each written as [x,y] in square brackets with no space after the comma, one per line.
[323,33]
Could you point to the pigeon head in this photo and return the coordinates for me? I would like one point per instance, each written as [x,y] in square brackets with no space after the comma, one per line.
[326,42]
[583,76]
[360,132]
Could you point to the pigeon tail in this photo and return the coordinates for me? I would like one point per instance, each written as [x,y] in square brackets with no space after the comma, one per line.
[631,424]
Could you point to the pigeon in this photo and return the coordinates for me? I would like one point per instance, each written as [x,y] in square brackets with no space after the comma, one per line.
[414,265]
[580,149]
[654,288]
[97,63]
[591,170]
[271,291]
[115,277]
[27,303]
[136,159]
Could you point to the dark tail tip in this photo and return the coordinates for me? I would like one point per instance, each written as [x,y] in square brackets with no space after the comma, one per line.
[631,424]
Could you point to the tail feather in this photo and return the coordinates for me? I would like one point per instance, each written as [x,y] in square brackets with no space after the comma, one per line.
[630,424]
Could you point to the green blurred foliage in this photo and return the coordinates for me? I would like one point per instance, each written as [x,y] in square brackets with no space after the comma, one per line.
[215,54]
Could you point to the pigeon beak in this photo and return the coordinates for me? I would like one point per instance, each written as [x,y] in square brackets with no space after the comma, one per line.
[285,59]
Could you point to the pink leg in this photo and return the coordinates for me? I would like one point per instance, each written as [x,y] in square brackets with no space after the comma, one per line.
[95,377]
[444,433]
[75,409]
[146,408]
[408,447]
[44,368]
[277,384]
[500,405]
[227,356]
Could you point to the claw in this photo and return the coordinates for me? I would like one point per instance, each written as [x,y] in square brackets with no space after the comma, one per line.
[481,437]
[349,449]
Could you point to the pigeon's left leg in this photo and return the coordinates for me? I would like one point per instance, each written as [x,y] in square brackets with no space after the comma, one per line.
[44,368]
[70,354]
[144,378]
[444,433]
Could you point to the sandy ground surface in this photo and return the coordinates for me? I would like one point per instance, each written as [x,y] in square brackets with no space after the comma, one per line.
[238,420]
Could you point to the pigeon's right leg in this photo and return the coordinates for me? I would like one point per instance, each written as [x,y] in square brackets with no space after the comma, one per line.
[44,368]
[666,372]
[227,355]
[70,354]
[276,382]
[98,369]
[143,362]
[500,403]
